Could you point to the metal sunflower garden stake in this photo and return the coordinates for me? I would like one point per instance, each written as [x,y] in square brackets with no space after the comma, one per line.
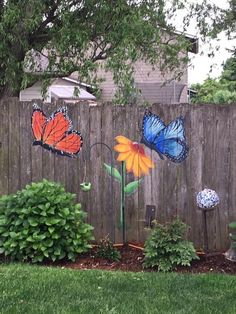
[133,159]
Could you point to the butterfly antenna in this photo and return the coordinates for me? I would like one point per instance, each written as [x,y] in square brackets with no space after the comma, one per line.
[64,110]
[147,112]
[140,126]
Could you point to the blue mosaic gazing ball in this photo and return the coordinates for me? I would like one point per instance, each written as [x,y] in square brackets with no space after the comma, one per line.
[207,199]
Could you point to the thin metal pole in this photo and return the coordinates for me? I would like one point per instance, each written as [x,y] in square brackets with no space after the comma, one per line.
[122,212]
[206,248]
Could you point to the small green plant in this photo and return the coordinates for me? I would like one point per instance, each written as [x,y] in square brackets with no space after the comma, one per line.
[232,234]
[106,250]
[42,222]
[166,247]
[231,253]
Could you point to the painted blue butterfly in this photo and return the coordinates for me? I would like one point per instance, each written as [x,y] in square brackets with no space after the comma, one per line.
[169,140]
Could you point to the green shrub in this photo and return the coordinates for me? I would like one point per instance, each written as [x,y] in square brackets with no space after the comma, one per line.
[42,222]
[166,248]
[106,250]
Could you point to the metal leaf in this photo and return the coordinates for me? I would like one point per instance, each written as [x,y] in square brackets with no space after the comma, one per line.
[112,171]
[131,187]
[232,225]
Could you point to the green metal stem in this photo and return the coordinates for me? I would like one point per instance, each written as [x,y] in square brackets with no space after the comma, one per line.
[122,203]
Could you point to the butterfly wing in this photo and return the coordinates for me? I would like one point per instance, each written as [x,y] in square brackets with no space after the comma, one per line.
[175,150]
[56,128]
[69,145]
[38,122]
[171,141]
[152,126]
[55,133]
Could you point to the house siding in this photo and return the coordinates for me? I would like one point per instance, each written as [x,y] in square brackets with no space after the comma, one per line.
[143,73]
[184,95]
[33,92]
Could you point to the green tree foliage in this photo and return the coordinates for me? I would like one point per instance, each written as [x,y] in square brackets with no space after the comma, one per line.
[212,19]
[213,91]
[77,35]
[205,91]
[221,90]
[228,75]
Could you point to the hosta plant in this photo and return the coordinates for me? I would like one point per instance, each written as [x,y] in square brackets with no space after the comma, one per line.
[42,222]
[166,247]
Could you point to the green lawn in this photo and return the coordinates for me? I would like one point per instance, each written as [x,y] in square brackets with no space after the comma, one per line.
[31,289]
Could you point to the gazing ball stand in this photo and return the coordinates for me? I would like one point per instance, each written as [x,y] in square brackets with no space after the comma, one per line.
[207,200]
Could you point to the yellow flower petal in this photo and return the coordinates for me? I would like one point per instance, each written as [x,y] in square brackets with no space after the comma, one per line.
[123,140]
[134,156]
[136,165]
[122,148]
[123,156]
[129,162]
[143,166]
[148,162]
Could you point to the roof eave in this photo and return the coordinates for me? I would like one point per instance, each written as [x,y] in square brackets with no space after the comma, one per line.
[194,44]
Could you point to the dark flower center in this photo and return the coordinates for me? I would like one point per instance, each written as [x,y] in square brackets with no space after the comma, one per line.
[138,148]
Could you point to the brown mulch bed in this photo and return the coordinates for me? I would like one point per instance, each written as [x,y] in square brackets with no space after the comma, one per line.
[132,259]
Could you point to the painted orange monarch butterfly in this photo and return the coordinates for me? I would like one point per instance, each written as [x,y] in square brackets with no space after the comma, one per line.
[55,133]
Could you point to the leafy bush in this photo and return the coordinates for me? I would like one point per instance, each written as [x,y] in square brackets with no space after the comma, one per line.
[230,254]
[166,247]
[232,234]
[42,222]
[107,250]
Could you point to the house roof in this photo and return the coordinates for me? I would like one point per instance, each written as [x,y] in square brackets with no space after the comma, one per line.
[194,41]
[76,81]
[65,92]
[59,89]
[194,47]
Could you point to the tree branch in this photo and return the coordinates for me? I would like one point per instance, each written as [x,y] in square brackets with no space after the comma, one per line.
[39,33]
[1,8]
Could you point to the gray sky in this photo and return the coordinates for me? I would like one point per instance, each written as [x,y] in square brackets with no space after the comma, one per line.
[201,64]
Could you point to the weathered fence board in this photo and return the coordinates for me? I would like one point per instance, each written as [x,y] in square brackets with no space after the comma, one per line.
[172,188]
[4,144]
[14,147]
[25,145]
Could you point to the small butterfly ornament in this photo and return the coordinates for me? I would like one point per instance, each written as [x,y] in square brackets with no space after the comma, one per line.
[55,133]
[169,140]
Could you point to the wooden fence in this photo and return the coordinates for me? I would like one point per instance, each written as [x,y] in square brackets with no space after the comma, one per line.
[172,188]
